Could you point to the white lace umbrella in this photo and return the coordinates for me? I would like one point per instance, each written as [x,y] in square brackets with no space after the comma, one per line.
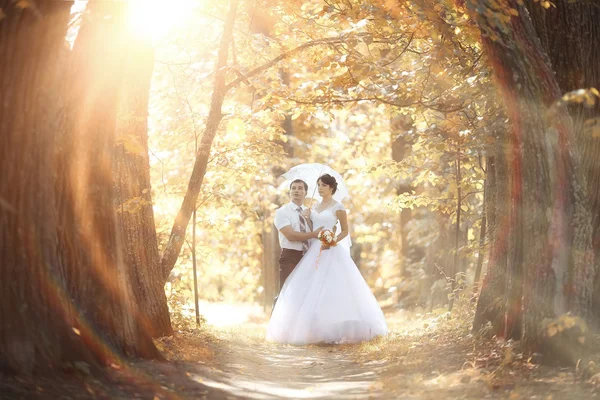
[309,173]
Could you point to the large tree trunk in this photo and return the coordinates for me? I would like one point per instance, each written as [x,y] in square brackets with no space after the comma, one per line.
[109,319]
[34,308]
[500,300]
[64,293]
[570,35]
[133,196]
[270,264]
[490,302]
[548,239]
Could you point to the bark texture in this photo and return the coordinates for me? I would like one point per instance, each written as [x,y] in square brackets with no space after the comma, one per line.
[99,281]
[65,293]
[570,35]
[548,241]
[35,315]
[133,194]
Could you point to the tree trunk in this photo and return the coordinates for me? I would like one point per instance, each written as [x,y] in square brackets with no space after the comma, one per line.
[133,195]
[35,314]
[270,264]
[547,243]
[570,35]
[89,238]
[490,305]
[482,234]
[454,270]
[401,147]
[437,286]
[177,237]
[63,294]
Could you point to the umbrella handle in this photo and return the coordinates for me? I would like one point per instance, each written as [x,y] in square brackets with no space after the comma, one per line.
[312,198]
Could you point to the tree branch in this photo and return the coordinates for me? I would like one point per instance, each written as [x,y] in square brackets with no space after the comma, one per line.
[177,236]
[283,56]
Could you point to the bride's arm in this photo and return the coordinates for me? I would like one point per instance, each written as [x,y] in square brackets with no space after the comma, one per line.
[343,217]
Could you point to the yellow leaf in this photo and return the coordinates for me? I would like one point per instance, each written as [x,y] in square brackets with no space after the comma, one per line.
[471,234]
[552,330]
[569,322]
[77,331]
[581,339]
[589,100]
[512,11]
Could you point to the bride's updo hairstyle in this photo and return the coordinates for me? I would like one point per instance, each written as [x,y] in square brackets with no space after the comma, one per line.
[329,181]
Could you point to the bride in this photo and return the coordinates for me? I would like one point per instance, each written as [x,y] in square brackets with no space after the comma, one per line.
[326,299]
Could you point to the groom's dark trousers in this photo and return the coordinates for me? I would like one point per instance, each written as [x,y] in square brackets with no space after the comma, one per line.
[287,262]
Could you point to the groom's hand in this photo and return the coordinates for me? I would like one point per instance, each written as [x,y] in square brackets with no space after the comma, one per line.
[316,232]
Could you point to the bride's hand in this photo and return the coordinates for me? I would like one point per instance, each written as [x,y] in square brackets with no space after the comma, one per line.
[306,213]
[316,232]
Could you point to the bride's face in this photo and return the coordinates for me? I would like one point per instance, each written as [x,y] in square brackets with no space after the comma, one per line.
[324,189]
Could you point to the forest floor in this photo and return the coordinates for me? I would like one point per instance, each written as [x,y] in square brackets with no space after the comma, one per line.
[430,356]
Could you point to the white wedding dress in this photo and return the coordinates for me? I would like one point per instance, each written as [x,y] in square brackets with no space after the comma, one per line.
[326,299]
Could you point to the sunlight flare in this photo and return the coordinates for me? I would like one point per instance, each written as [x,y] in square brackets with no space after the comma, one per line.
[154,19]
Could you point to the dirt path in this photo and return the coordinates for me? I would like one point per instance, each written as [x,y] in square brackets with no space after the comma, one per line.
[431,358]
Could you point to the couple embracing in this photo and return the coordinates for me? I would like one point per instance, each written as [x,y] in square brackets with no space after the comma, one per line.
[323,297]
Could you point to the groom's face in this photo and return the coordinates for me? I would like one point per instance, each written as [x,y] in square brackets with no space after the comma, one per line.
[297,191]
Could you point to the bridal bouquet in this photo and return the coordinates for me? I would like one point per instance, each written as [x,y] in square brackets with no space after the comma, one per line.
[327,238]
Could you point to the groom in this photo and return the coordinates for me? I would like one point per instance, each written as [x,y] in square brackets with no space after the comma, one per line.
[294,231]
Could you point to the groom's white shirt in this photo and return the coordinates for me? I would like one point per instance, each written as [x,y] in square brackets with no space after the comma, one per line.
[287,215]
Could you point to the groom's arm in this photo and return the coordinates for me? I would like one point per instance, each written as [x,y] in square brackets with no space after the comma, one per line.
[283,223]
[295,236]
